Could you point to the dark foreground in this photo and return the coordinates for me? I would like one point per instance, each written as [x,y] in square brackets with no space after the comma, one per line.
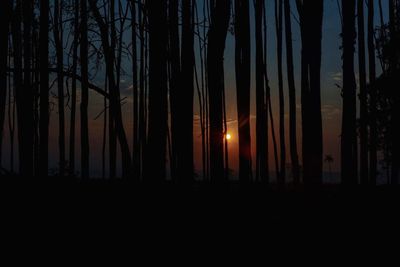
[252,202]
[123,215]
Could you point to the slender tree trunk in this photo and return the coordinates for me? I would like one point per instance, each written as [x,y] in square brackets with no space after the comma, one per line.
[185,156]
[135,150]
[220,15]
[155,157]
[349,134]
[363,94]
[373,96]
[36,93]
[279,25]
[311,14]
[292,95]
[175,86]
[110,71]
[25,97]
[5,15]
[58,37]
[141,129]
[84,91]
[261,104]
[44,88]
[73,90]
[394,72]
[242,64]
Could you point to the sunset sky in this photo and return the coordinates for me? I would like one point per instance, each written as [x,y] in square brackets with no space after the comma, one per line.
[331,99]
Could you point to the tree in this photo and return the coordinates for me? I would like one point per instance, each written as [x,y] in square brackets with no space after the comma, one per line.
[135,150]
[349,131]
[174,54]
[292,95]
[394,72]
[311,14]
[155,155]
[44,88]
[262,170]
[73,89]
[84,91]
[220,16]
[185,151]
[58,38]
[279,31]
[363,94]
[5,14]
[372,95]
[242,67]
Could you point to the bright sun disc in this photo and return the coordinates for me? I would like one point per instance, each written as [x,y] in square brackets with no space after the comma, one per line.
[228,137]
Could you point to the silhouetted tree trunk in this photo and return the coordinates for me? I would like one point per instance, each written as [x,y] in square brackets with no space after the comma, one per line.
[5,15]
[25,96]
[142,129]
[349,131]
[220,16]
[175,86]
[262,172]
[363,94]
[292,95]
[311,14]
[84,91]
[135,150]
[394,72]
[155,156]
[36,85]
[373,96]
[242,64]
[73,90]
[186,94]
[58,38]
[44,88]
[279,25]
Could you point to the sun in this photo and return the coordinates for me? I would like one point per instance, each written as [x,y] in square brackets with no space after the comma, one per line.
[228,136]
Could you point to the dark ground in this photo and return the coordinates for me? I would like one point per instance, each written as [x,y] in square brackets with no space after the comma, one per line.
[121,215]
[326,203]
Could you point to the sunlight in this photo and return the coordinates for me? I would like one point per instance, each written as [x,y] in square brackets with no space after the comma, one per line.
[228,136]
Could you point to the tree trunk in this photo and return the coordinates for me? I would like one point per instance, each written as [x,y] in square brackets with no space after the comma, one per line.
[373,96]
[5,14]
[279,25]
[261,104]
[394,72]
[311,14]
[242,64]
[292,95]
[155,156]
[25,96]
[185,154]
[175,86]
[73,91]
[220,15]
[135,150]
[84,92]
[349,131]
[44,88]
[363,94]
[58,37]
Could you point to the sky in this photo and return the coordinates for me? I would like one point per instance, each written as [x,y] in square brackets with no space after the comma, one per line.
[331,74]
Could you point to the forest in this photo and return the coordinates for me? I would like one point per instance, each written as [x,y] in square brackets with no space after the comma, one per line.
[143,91]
